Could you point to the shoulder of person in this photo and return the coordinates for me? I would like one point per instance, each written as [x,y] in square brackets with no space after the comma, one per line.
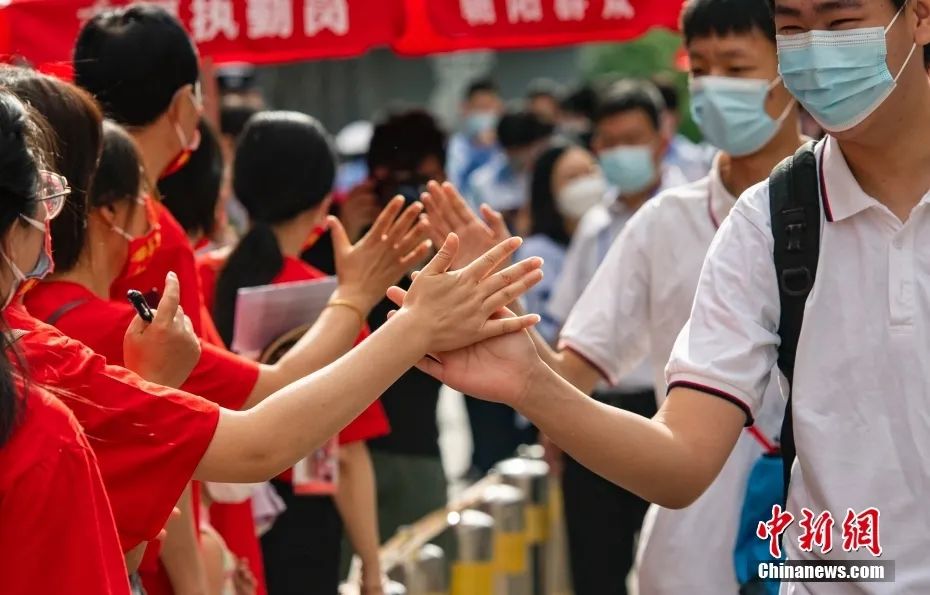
[596,219]
[753,206]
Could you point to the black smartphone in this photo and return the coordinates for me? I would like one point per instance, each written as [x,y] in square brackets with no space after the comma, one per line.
[142,307]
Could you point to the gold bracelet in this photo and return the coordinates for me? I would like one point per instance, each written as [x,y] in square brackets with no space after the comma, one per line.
[350,306]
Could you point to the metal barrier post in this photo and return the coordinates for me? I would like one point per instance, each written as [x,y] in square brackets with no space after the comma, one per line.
[532,477]
[472,573]
[506,504]
[425,572]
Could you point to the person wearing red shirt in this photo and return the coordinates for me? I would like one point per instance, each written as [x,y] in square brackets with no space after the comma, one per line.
[75,301]
[54,510]
[284,173]
[150,440]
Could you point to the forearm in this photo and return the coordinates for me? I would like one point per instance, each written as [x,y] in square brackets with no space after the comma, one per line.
[331,336]
[357,502]
[254,445]
[653,458]
[180,552]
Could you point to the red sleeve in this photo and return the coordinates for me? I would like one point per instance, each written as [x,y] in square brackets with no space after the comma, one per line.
[223,377]
[371,424]
[57,534]
[174,254]
[148,439]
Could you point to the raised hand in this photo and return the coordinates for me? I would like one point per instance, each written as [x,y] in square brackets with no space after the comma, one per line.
[165,351]
[359,209]
[448,212]
[390,248]
[457,308]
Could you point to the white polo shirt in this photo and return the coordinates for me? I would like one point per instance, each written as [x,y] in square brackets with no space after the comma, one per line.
[862,377]
[590,244]
[633,310]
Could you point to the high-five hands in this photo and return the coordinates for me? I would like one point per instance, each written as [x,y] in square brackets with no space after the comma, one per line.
[478,346]
[381,257]
[448,212]
[458,308]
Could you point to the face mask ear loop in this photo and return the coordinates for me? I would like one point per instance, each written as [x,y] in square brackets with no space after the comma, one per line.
[784,115]
[906,62]
[123,233]
[895,19]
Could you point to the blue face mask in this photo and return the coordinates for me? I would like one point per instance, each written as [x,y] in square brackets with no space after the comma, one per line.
[631,169]
[478,123]
[731,113]
[840,77]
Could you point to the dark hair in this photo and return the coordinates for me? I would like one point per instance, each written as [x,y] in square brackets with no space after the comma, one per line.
[75,121]
[521,129]
[234,116]
[285,165]
[191,193]
[404,140]
[705,18]
[480,86]
[546,217]
[669,90]
[582,100]
[630,95]
[119,175]
[543,88]
[19,179]
[134,60]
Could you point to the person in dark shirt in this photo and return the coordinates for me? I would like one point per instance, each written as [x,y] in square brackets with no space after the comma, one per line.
[407,150]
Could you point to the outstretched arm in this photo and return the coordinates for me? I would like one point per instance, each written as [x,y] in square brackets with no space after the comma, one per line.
[443,311]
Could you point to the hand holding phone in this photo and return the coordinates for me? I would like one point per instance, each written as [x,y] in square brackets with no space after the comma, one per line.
[142,307]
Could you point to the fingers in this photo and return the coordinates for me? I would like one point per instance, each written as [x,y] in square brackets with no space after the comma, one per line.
[413,237]
[396,295]
[340,238]
[495,221]
[457,205]
[170,301]
[137,326]
[383,223]
[506,326]
[443,260]
[498,281]
[416,255]
[510,293]
[436,207]
[490,260]
[403,224]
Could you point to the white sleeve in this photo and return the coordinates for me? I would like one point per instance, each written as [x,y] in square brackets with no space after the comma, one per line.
[730,345]
[570,284]
[609,325]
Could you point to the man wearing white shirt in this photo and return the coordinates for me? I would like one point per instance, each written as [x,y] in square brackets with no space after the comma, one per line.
[863,358]
[641,296]
[602,519]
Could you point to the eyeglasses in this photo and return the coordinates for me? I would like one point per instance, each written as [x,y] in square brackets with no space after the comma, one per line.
[53,190]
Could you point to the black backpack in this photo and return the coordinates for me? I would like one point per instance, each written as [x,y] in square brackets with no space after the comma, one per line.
[794,196]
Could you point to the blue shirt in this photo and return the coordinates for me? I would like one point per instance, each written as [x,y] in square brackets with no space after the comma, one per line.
[536,300]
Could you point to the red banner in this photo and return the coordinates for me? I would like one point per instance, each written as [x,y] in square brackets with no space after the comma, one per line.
[447,25]
[256,31]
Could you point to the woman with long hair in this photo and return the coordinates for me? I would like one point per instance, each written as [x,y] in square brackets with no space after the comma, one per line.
[285,168]
[53,505]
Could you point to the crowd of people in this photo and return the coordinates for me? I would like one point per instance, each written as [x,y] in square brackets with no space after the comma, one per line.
[648,330]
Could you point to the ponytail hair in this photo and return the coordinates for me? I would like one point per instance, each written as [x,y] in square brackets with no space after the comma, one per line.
[285,165]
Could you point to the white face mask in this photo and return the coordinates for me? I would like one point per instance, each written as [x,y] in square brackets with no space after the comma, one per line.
[579,195]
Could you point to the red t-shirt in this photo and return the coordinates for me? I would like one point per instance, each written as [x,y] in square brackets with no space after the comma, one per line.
[148,439]
[219,376]
[174,254]
[57,533]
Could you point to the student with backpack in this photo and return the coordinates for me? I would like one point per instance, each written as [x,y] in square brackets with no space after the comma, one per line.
[861,366]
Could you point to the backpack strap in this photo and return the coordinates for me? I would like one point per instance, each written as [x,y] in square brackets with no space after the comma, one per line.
[64,309]
[794,197]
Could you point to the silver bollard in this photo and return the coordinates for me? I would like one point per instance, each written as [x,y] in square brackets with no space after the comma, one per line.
[472,573]
[532,477]
[425,572]
[506,504]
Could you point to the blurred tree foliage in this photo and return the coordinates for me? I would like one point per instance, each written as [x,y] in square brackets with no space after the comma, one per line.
[654,53]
